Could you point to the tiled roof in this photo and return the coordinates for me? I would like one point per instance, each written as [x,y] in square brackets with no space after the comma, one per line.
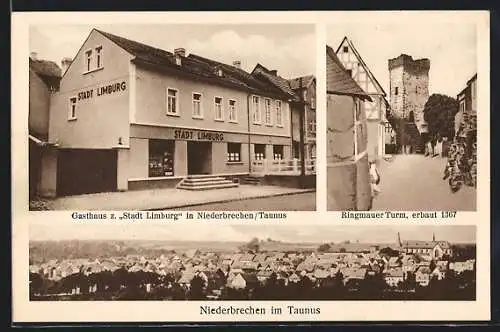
[48,71]
[276,80]
[295,82]
[194,65]
[338,81]
[419,244]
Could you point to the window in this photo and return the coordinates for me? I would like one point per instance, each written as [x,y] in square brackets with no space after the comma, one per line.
[72,108]
[349,71]
[396,91]
[278,152]
[197,111]
[233,152]
[259,151]
[232,111]
[88,60]
[256,110]
[346,49]
[98,52]
[313,102]
[219,115]
[267,106]
[161,157]
[279,114]
[172,102]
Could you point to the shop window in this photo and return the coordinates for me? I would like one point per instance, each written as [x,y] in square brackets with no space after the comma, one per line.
[233,152]
[256,110]
[172,102]
[98,52]
[72,108]
[232,111]
[161,158]
[259,151]
[279,113]
[219,115]
[267,105]
[197,111]
[278,152]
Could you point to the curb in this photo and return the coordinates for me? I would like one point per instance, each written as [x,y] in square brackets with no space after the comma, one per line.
[230,200]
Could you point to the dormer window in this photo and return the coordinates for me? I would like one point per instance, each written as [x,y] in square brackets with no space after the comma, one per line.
[219,72]
[178,60]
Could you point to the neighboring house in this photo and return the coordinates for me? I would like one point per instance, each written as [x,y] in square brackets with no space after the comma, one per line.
[466,117]
[244,281]
[131,116]
[44,77]
[428,249]
[348,181]
[422,276]
[305,87]
[394,276]
[377,124]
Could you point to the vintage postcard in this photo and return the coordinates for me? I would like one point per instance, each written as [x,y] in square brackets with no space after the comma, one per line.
[284,166]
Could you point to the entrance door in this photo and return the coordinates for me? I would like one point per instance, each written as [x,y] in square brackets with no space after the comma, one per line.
[199,157]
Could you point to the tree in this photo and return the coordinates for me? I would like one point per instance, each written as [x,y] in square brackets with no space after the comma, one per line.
[325,247]
[196,291]
[253,245]
[439,113]
[389,252]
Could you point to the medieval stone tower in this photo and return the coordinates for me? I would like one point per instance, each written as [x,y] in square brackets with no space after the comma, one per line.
[409,91]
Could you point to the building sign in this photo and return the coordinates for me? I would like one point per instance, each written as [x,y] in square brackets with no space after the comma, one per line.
[102,90]
[198,135]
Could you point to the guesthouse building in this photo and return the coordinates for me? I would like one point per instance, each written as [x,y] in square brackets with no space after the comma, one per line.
[132,116]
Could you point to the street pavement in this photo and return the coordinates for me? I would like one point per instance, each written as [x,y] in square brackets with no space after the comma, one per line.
[171,198]
[414,182]
[296,202]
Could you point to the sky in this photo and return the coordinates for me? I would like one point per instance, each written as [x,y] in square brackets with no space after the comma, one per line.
[288,48]
[451,48]
[205,231]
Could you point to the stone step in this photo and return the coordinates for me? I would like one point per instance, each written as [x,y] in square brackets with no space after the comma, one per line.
[200,176]
[204,179]
[208,187]
[205,183]
[251,180]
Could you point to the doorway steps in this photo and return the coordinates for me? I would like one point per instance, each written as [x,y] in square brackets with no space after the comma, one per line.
[205,182]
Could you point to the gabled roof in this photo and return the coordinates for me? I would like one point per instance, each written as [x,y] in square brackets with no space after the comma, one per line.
[419,244]
[365,67]
[338,81]
[194,65]
[276,80]
[306,82]
[48,71]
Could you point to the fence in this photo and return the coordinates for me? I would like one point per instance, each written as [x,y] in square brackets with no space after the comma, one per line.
[282,166]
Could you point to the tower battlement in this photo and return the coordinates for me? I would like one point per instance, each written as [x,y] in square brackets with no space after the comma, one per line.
[408,63]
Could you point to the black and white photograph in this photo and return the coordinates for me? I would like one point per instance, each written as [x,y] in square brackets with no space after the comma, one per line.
[402,116]
[149,117]
[85,262]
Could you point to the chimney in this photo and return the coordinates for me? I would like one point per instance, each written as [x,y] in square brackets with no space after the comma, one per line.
[65,63]
[180,52]
[237,64]
[274,72]
[33,55]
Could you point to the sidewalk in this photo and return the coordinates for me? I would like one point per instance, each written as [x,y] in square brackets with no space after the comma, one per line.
[170,198]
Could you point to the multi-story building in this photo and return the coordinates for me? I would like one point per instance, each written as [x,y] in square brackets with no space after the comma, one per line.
[44,77]
[131,116]
[409,91]
[466,117]
[377,124]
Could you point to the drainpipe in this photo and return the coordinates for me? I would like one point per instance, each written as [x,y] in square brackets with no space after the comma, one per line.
[248,125]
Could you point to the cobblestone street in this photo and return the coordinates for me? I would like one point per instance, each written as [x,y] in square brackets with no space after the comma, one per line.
[414,182]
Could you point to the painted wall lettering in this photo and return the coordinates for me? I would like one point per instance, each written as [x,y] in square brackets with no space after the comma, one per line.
[102,90]
[198,135]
